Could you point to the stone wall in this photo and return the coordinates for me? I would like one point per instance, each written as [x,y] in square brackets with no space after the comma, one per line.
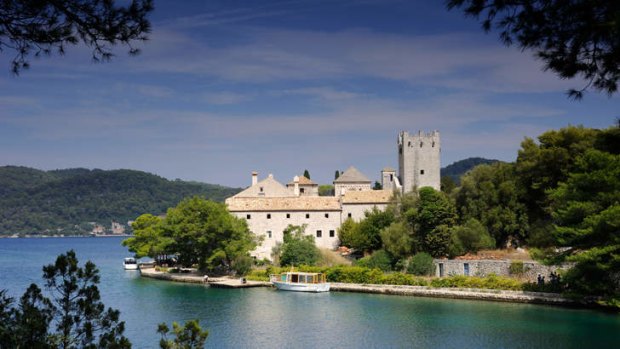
[531,269]
[419,160]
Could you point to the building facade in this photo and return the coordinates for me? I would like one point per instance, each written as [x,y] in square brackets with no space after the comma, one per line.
[269,207]
[419,162]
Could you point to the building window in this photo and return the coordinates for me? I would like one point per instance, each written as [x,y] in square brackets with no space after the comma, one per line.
[268,215]
[327,215]
[433,144]
[400,150]
[409,143]
[288,215]
[421,171]
[269,234]
[319,233]
[349,215]
[391,178]
[248,216]
[261,189]
[421,144]
[466,269]
[301,190]
[307,215]
[332,233]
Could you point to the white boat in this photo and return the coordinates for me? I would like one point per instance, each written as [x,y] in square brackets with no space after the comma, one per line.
[130,263]
[300,282]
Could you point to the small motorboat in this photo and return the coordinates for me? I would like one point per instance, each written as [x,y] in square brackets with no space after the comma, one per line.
[130,263]
[300,282]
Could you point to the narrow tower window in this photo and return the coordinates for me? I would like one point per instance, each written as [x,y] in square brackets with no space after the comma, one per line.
[421,172]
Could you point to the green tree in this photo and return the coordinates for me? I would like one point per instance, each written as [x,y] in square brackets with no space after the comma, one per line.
[206,234]
[469,237]
[326,190]
[348,232]
[572,38]
[541,166]
[379,259]
[188,336]
[148,239]
[377,186]
[491,194]
[397,240]
[336,175]
[307,174]
[433,214]
[447,184]
[586,210]
[27,325]
[81,318]
[298,248]
[421,264]
[365,236]
[41,27]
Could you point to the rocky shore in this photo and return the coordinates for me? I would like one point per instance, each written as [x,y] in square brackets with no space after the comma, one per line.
[401,290]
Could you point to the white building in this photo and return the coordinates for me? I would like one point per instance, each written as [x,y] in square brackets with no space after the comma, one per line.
[269,206]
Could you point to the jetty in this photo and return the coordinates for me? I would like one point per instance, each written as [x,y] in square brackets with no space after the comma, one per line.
[195,277]
[401,290]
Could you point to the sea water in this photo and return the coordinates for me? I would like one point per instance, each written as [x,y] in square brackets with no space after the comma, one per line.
[266,318]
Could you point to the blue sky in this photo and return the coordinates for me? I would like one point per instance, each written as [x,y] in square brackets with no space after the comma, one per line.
[224,88]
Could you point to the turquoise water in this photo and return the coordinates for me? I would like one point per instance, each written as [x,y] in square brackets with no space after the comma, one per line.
[265,318]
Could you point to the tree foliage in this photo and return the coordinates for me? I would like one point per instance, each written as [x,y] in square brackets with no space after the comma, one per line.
[421,264]
[433,215]
[198,231]
[298,248]
[586,210]
[576,38]
[491,195]
[65,201]
[188,336]
[469,238]
[30,27]
[76,314]
[365,235]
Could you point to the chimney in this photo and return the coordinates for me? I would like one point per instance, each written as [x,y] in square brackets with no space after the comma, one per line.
[254,177]
[296,188]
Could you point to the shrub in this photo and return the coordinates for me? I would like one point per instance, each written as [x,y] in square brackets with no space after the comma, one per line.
[242,265]
[516,268]
[490,282]
[421,264]
[470,237]
[379,259]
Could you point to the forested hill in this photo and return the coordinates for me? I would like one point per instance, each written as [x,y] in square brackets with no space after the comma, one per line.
[459,168]
[67,201]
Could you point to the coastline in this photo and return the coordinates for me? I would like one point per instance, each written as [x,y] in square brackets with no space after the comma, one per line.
[400,290]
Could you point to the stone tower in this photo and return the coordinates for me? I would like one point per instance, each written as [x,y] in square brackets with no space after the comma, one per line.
[418,160]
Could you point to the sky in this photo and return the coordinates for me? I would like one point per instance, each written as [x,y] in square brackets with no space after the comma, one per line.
[224,88]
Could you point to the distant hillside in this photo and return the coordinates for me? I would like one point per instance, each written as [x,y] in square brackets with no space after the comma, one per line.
[459,168]
[66,201]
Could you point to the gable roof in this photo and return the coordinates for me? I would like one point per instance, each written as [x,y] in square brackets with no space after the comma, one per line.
[268,187]
[303,180]
[352,175]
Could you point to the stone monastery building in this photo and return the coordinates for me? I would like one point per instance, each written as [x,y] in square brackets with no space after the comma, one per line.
[269,206]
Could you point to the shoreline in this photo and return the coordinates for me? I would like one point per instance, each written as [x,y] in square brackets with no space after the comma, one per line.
[400,290]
